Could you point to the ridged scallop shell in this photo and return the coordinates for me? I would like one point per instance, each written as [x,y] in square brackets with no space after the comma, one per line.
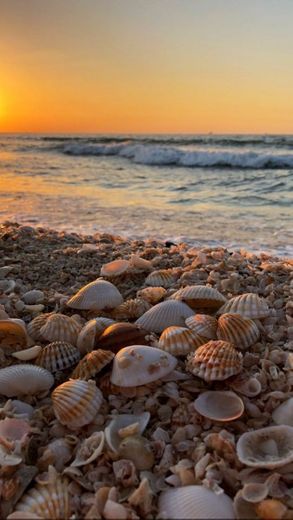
[139,365]
[270,447]
[12,335]
[235,329]
[283,414]
[115,268]
[219,406]
[76,402]
[203,324]
[194,502]
[248,305]
[179,341]
[116,428]
[90,449]
[95,296]
[47,500]
[92,364]
[121,335]
[215,361]
[58,355]
[162,278]
[18,380]
[200,297]
[152,294]
[59,327]
[165,314]
[89,334]
[131,309]
[36,324]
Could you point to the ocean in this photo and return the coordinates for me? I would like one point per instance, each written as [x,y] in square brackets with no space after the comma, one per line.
[231,190]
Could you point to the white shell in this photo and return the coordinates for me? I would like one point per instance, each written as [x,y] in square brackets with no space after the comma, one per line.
[248,305]
[27,379]
[89,450]
[28,353]
[165,314]
[96,295]
[249,386]
[119,422]
[283,414]
[139,365]
[270,447]
[219,406]
[194,502]
[114,268]
[59,327]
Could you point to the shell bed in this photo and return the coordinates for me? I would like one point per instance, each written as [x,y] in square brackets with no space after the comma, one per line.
[113,356]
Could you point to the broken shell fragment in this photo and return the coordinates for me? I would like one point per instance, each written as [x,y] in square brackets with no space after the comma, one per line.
[165,314]
[137,449]
[18,380]
[90,449]
[283,414]
[179,341]
[14,429]
[203,324]
[58,355]
[248,305]
[200,297]
[242,332]
[97,295]
[270,447]
[92,364]
[216,360]
[121,335]
[219,406]
[248,386]
[120,422]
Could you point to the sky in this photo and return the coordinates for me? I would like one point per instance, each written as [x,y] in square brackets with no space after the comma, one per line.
[147,66]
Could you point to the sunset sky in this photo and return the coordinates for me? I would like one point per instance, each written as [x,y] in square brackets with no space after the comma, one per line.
[146,66]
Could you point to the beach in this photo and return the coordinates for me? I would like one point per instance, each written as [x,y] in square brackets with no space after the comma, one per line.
[168,444]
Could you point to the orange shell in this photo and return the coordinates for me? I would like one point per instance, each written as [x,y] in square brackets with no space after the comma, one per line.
[121,335]
[215,361]
[179,341]
[92,363]
[240,331]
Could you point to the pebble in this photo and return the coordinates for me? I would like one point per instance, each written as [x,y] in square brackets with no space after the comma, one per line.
[33,297]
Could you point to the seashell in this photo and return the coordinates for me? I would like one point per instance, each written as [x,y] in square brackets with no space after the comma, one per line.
[162,278]
[243,332]
[142,497]
[248,305]
[9,458]
[57,453]
[131,309]
[12,335]
[152,294]
[137,449]
[121,335]
[109,388]
[140,263]
[22,408]
[283,414]
[114,268]
[194,502]
[14,430]
[243,509]
[270,447]
[18,380]
[59,327]
[139,365]
[125,473]
[76,402]
[36,324]
[92,364]
[216,360]
[58,355]
[248,386]
[165,314]
[33,297]
[3,313]
[47,500]
[179,341]
[90,333]
[89,450]
[95,296]
[203,324]
[112,436]
[28,353]
[200,297]
[270,509]
[219,406]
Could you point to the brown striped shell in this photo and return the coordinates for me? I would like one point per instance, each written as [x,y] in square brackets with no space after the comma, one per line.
[248,305]
[216,360]
[97,295]
[203,324]
[162,278]
[152,295]
[76,402]
[200,297]
[233,328]
[179,341]
[121,335]
[34,326]
[165,314]
[59,327]
[90,333]
[131,309]
[58,355]
[92,364]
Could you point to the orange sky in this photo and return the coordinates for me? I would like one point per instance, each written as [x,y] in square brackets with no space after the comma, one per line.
[146,66]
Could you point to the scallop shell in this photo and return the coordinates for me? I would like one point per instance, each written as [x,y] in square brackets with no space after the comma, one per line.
[139,365]
[131,309]
[194,502]
[91,332]
[152,294]
[28,353]
[12,335]
[58,355]
[248,305]
[243,332]
[95,296]
[18,380]
[216,360]
[219,406]
[47,500]
[114,268]
[200,297]
[162,278]
[165,314]
[179,341]
[119,423]
[269,448]
[89,450]
[204,325]
[59,327]
[283,414]
[92,363]
[36,324]
[121,335]
[76,402]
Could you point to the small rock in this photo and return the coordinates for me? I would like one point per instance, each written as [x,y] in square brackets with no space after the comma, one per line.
[33,297]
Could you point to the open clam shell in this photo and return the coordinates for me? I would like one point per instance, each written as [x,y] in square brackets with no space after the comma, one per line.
[152,295]
[89,450]
[115,268]
[243,332]
[248,305]
[92,364]
[179,341]
[18,380]
[58,355]
[203,324]
[131,309]
[200,297]
[194,502]
[97,295]
[139,365]
[76,402]
[162,278]
[91,331]
[216,360]
[13,335]
[283,414]
[119,335]
[219,406]
[114,430]
[165,314]
[59,327]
